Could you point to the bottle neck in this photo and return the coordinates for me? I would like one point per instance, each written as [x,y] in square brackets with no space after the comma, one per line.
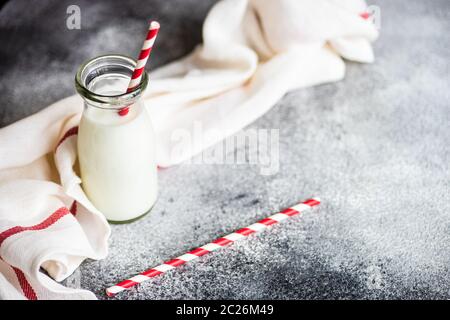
[102,82]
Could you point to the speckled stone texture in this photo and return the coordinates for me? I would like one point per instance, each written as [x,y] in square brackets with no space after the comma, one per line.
[375,147]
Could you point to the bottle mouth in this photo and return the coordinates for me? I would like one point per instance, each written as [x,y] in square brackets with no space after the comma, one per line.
[110,70]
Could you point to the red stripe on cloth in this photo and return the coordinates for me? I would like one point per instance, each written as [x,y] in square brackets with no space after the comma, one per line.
[27,289]
[175,262]
[70,132]
[289,212]
[24,284]
[222,241]
[144,53]
[198,252]
[151,33]
[267,221]
[365,15]
[55,216]
[150,273]
[137,73]
[74,208]
[245,231]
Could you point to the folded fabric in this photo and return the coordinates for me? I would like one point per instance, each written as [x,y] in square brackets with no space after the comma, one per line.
[253,52]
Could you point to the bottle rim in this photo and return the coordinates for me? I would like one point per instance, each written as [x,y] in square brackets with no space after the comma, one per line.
[111,102]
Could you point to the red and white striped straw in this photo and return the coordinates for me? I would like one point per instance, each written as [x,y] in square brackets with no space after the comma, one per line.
[142,61]
[212,246]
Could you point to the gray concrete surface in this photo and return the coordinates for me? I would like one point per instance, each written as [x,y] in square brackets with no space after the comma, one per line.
[374,147]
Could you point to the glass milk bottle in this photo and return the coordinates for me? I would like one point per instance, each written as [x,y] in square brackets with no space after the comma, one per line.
[116,152]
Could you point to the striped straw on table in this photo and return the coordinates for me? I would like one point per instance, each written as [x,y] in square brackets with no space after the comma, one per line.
[212,246]
[142,61]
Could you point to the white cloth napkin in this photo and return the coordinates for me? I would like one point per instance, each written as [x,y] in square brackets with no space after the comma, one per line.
[254,51]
